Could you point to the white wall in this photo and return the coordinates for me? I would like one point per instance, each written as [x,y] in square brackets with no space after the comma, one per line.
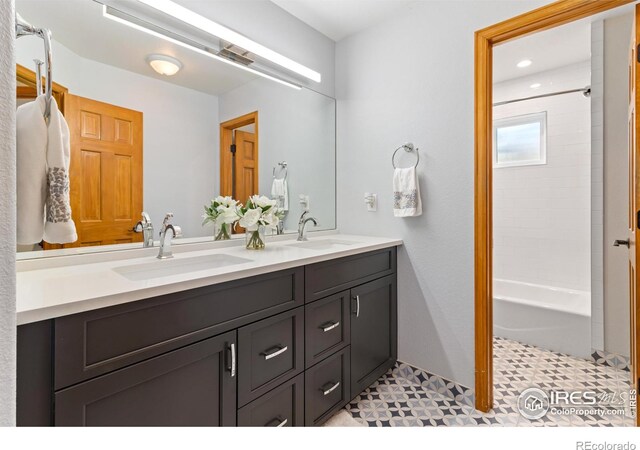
[296,126]
[617,35]
[181,133]
[542,213]
[410,78]
[7,216]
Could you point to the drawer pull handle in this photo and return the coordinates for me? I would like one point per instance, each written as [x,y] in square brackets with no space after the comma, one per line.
[233,359]
[279,422]
[329,326]
[273,354]
[328,390]
[357,306]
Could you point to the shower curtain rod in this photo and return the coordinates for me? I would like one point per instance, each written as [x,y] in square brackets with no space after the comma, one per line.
[586,91]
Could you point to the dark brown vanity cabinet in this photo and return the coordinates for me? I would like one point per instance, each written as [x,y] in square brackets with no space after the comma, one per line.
[192,386]
[288,348]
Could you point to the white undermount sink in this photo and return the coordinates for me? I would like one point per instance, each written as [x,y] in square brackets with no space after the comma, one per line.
[167,267]
[323,244]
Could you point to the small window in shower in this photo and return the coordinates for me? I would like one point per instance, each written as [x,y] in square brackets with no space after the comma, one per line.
[520,140]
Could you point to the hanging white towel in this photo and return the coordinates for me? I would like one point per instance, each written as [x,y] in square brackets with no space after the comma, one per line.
[43,152]
[59,227]
[406,193]
[31,171]
[280,192]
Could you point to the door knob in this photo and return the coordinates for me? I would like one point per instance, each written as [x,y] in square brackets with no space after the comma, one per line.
[619,242]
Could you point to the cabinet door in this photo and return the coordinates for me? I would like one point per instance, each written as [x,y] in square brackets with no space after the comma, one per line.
[373,331]
[192,386]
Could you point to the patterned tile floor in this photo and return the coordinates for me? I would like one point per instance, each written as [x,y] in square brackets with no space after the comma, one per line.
[403,398]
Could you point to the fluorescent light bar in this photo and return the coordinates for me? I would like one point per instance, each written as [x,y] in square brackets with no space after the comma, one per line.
[215,29]
[105,13]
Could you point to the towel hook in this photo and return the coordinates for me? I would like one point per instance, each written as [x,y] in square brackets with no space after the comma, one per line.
[408,147]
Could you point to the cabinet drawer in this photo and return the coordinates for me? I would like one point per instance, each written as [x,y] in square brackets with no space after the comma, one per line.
[192,386]
[329,277]
[326,327]
[326,387]
[100,341]
[269,352]
[281,407]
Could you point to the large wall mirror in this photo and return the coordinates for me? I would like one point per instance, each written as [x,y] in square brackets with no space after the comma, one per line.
[146,141]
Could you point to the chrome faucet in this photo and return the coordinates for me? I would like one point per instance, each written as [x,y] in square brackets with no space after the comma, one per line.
[146,228]
[302,223]
[165,244]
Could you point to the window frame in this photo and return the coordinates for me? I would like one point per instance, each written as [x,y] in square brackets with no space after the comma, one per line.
[538,117]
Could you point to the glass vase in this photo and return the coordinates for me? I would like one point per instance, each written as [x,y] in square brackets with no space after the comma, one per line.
[254,238]
[221,232]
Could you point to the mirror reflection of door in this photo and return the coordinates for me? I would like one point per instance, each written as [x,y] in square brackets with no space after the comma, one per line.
[105,172]
[239,158]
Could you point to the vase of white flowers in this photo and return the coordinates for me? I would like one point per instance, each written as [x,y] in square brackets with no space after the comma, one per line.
[257,215]
[223,213]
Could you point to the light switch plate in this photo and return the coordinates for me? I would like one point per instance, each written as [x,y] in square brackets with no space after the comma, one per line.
[371,200]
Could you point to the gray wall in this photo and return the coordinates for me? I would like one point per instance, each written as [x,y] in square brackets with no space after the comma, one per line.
[617,35]
[410,78]
[7,217]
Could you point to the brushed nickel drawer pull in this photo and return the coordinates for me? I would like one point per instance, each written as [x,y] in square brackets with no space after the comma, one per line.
[357,306]
[279,422]
[273,354]
[233,359]
[329,326]
[327,391]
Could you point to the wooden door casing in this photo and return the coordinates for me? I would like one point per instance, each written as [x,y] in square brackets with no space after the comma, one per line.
[105,171]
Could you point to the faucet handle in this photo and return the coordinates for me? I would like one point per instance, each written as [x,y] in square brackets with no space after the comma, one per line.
[177,231]
[167,218]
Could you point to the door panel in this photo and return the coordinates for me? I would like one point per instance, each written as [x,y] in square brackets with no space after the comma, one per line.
[373,331]
[246,165]
[192,386]
[105,172]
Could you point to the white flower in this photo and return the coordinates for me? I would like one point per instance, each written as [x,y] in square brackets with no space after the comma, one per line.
[227,215]
[227,201]
[262,201]
[250,218]
[270,219]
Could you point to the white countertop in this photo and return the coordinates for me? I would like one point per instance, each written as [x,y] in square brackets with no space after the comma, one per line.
[45,292]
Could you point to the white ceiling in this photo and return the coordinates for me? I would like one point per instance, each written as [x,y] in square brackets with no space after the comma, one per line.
[338,19]
[79,26]
[550,49]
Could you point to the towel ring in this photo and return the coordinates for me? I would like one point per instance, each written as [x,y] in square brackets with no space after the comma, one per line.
[408,147]
[283,166]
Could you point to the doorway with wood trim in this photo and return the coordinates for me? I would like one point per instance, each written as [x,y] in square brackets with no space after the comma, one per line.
[239,157]
[550,16]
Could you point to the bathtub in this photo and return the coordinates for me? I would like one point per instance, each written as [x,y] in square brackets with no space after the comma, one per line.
[552,318]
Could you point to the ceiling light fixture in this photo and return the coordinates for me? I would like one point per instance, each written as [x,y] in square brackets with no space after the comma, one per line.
[535,85]
[524,63]
[164,65]
[106,12]
[215,29]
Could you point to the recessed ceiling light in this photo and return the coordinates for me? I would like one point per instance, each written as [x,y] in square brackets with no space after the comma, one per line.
[164,65]
[535,85]
[524,63]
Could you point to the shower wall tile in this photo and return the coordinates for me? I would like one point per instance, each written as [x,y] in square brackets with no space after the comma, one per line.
[542,214]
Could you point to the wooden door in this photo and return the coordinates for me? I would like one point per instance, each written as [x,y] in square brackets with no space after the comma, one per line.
[246,167]
[634,204]
[105,171]
[192,386]
[373,331]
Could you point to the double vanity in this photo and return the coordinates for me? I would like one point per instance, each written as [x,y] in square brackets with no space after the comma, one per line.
[216,336]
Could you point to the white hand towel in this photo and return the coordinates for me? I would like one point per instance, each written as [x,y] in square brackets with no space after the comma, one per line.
[406,193]
[59,226]
[280,192]
[31,168]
